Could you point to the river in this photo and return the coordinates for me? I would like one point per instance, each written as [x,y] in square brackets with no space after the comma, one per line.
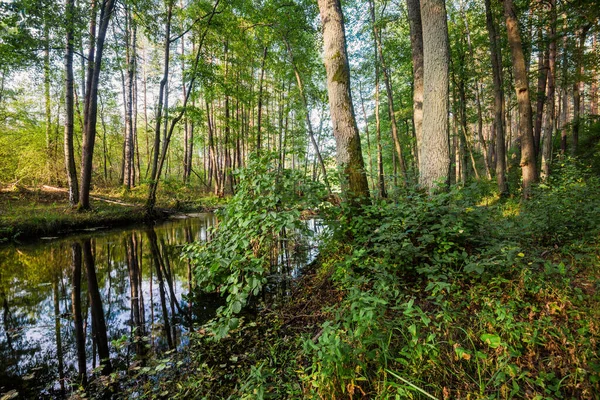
[118,295]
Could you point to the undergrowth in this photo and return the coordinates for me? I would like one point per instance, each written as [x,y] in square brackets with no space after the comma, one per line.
[458,296]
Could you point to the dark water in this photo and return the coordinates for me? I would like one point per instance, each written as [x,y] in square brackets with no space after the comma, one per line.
[106,301]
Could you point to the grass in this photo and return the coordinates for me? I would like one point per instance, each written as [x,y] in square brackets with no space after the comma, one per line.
[27,214]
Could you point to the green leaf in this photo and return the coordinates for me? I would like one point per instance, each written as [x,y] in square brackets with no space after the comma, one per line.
[491,340]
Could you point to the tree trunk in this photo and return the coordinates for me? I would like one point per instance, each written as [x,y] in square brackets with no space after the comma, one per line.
[528,156]
[416,41]
[130,35]
[434,153]
[91,103]
[541,93]
[69,107]
[549,123]
[496,58]
[349,156]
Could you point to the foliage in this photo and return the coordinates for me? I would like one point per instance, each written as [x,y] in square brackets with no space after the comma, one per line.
[449,299]
[266,208]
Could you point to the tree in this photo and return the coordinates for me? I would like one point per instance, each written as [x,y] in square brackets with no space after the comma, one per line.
[434,151]
[349,156]
[91,98]
[496,59]
[416,42]
[528,156]
[69,106]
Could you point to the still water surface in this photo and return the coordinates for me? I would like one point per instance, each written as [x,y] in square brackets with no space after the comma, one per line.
[118,295]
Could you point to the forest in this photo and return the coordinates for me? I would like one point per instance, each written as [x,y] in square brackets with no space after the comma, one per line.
[320,199]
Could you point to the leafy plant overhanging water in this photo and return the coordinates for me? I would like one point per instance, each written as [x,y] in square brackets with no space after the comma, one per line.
[265,210]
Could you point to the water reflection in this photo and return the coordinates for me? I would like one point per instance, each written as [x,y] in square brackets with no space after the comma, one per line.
[91,304]
[107,301]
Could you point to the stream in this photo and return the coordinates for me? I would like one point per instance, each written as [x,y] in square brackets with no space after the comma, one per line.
[121,295]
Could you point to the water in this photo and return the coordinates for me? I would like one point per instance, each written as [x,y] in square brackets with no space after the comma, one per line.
[68,305]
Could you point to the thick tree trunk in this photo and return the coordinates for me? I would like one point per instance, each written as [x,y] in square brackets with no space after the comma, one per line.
[69,107]
[496,58]
[91,103]
[349,156]
[416,41]
[528,156]
[434,152]
[549,122]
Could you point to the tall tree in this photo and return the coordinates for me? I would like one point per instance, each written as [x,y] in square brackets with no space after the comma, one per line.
[91,98]
[416,41]
[348,150]
[549,121]
[69,106]
[434,151]
[528,156]
[496,58]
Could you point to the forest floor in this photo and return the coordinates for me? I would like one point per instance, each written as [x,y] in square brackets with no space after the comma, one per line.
[29,213]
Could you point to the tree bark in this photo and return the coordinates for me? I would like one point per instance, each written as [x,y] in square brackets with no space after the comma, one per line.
[69,107]
[416,41]
[91,103]
[549,122]
[496,58]
[434,153]
[528,156]
[349,156]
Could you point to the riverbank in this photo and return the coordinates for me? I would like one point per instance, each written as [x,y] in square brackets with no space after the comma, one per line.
[27,214]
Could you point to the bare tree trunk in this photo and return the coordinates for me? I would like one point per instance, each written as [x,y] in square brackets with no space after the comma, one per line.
[69,107]
[349,156]
[541,93]
[130,39]
[416,41]
[528,156]
[549,123]
[91,103]
[496,58]
[434,153]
